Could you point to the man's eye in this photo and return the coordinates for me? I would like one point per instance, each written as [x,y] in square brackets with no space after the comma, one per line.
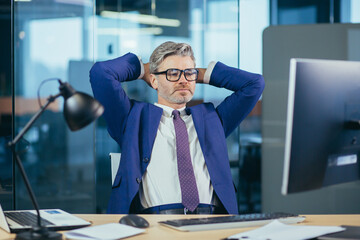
[190,72]
[173,73]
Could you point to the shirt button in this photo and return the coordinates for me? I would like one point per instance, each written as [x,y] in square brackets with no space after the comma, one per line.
[146,160]
[138,180]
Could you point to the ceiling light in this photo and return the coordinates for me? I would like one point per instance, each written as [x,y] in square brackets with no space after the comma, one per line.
[142,18]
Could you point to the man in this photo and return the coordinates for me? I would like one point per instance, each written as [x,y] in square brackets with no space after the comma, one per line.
[173,161]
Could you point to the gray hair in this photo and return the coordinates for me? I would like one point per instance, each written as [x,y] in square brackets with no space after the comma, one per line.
[167,49]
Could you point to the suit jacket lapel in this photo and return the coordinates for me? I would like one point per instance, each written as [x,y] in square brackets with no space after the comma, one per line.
[198,118]
[153,119]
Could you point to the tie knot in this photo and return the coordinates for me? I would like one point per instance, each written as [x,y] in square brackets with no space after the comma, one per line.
[176,114]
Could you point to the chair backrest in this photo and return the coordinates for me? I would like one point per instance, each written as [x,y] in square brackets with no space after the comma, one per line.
[115,162]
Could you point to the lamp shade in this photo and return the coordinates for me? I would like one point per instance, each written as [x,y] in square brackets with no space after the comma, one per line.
[80,109]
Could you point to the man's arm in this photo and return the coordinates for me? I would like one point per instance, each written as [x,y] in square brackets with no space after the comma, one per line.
[247,88]
[105,79]
[201,75]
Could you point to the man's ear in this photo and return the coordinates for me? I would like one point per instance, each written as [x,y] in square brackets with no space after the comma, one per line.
[153,81]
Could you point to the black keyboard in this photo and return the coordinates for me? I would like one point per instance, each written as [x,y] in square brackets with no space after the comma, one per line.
[231,221]
[26,218]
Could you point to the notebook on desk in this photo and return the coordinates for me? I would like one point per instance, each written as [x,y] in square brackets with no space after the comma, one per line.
[55,219]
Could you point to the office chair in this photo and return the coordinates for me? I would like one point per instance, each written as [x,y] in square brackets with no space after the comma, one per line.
[115,162]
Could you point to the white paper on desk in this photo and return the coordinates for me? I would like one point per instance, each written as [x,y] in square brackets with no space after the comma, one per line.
[279,231]
[108,231]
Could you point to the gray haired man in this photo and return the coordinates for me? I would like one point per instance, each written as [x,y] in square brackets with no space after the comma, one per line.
[174,158]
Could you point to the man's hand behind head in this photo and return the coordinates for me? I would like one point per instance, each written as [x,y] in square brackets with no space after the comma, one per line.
[146,76]
[201,75]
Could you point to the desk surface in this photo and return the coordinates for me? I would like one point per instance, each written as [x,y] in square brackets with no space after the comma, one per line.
[156,231]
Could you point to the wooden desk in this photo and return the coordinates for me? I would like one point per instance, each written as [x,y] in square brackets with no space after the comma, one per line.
[156,231]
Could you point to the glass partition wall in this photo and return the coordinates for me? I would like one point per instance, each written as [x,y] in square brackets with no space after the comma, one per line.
[63,38]
[53,39]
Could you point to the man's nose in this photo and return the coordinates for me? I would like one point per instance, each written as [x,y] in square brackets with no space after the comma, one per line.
[182,77]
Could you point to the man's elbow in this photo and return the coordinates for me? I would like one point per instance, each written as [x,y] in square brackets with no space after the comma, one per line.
[96,69]
[260,83]
[97,74]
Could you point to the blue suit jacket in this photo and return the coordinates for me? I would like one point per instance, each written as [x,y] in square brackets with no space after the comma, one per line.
[134,125]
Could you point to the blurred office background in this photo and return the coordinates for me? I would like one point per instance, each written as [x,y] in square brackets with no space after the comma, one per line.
[44,39]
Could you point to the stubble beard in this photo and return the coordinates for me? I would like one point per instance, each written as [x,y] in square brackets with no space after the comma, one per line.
[179,99]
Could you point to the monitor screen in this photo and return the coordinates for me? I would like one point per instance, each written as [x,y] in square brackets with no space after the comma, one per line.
[322,142]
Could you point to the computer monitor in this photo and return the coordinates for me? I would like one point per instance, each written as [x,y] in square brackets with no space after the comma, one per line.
[322,143]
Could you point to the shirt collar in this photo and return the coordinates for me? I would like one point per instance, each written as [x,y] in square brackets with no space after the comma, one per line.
[167,111]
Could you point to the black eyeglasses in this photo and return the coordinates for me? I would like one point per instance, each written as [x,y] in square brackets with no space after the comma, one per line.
[174,74]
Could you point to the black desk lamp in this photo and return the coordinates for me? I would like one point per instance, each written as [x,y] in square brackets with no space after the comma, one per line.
[79,110]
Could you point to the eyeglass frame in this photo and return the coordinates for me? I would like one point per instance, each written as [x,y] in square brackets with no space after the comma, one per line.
[181,72]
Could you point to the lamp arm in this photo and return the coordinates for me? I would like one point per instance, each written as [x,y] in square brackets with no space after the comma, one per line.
[18,161]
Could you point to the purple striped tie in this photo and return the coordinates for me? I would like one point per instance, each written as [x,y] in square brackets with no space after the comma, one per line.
[189,191]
